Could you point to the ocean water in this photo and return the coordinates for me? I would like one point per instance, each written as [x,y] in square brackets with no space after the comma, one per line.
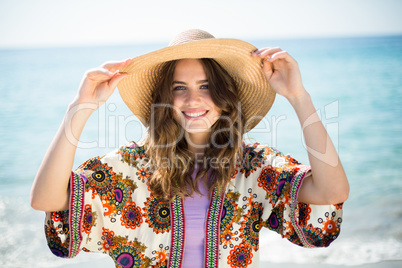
[355,83]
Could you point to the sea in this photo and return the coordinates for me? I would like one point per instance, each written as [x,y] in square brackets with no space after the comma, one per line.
[356,87]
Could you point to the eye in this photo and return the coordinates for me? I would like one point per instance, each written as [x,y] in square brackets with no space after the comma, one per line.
[204,86]
[179,88]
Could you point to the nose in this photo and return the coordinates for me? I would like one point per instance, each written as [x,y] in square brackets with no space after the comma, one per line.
[193,98]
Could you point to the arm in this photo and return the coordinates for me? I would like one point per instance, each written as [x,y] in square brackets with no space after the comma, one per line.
[50,188]
[328,183]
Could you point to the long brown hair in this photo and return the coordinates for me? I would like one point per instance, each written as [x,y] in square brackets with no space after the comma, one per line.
[170,159]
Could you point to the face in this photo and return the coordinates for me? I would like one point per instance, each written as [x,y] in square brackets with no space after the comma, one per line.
[194,109]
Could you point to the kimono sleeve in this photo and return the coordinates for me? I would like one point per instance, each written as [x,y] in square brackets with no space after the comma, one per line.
[68,232]
[303,224]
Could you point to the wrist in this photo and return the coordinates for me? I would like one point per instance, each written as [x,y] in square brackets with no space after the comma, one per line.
[85,103]
[299,100]
[82,108]
[304,108]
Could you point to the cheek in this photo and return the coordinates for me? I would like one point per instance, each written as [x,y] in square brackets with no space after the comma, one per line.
[215,109]
[215,115]
[208,100]
[177,101]
[176,109]
[177,116]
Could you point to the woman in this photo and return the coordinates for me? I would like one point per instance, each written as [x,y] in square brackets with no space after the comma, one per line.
[193,194]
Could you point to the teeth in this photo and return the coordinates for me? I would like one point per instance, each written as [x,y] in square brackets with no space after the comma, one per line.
[195,114]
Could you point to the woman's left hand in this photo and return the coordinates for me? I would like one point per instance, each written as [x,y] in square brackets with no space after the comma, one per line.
[328,183]
[282,72]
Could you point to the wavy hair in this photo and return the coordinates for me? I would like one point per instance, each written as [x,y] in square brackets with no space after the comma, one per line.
[171,160]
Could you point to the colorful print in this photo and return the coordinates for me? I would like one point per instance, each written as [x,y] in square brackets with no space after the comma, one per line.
[128,255]
[161,257]
[131,216]
[304,213]
[268,180]
[157,215]
[77,189]
[107,239]
[177,245]
[291,161]
[131,154]
[110,200]
[118,197]
[212,229]
[228,237]
[275,220]
[228,212]
[89,219]
[59,215]
[57,248]
[250,227]
[275,182]
[240,256]
[143,174]
[331,224]
[103,179]
[252,159]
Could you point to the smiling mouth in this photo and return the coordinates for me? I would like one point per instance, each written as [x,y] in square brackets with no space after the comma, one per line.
[195,115]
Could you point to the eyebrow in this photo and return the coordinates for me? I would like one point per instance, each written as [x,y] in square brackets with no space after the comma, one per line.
[183,83]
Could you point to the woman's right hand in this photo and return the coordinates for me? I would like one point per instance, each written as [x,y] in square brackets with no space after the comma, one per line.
[99,83]
[50,189]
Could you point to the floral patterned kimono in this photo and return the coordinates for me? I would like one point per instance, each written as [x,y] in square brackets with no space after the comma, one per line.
[113,211]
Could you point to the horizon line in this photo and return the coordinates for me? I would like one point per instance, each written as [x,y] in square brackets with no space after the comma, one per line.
[164,42]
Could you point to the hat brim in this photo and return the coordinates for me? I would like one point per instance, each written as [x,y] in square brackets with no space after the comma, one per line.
[255,93]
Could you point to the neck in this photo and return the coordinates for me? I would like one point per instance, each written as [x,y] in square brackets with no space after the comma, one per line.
[197,143]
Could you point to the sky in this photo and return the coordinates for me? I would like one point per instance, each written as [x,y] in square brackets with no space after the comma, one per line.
[47,23]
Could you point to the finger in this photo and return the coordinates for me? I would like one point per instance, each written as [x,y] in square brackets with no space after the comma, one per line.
[266,52]
[258,52]
[99,74]
[127,62]
[281,55]
[267,68]
[116,79]
[113,66]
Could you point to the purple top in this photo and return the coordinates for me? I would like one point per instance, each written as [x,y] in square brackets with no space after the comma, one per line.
[195,213]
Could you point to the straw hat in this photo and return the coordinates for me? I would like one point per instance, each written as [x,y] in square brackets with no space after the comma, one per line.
[233,55]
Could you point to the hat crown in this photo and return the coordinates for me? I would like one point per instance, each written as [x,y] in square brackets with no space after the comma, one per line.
[189,36]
